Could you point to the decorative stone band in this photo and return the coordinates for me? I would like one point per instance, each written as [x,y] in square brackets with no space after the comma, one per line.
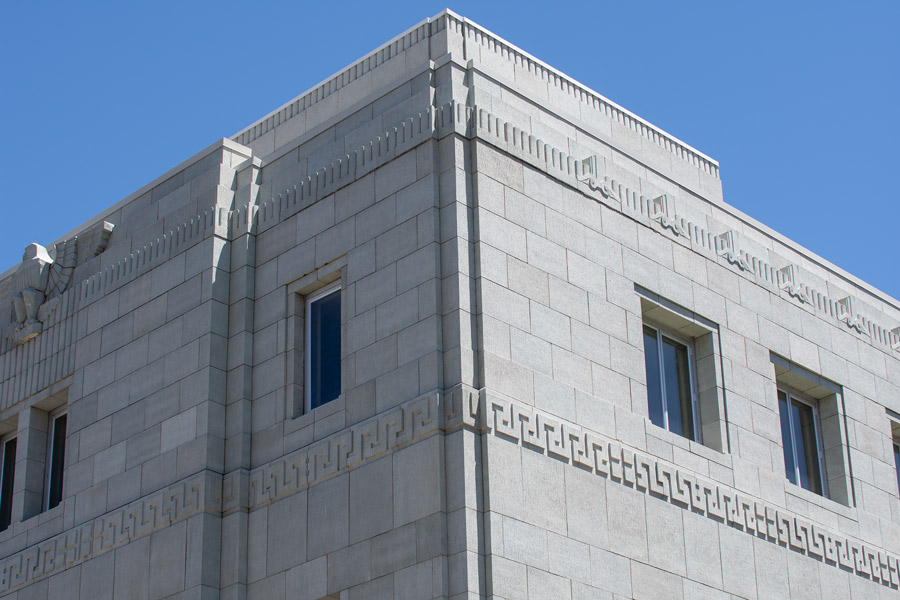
[621,465]
[199,493]
[462,407]
[660,212]
[337,453]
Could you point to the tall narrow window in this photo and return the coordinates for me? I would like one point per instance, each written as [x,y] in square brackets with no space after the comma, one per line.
[670,383]
[800,439]
[56,459]
[897,462]
[323,347]
[7,479]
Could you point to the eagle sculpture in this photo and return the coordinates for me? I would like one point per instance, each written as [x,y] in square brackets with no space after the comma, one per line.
[41,279]
[44,275]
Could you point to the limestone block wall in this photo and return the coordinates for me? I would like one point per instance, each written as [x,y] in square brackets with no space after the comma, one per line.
[135,356]
[500,235]
[574,256]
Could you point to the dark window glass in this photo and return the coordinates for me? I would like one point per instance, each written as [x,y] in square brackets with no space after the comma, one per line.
[897,463]
[790,469]
[654,387]
[669,394]
[678,388]
[799,439]
[57,462]
[6,483]
[806,447]
[324,349]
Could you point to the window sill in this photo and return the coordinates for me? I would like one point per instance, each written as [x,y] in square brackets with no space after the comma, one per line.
[317,414]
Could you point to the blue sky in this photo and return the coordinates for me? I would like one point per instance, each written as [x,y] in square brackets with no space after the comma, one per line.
[798,101]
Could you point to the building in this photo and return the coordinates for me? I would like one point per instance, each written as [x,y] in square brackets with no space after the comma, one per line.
[448,325]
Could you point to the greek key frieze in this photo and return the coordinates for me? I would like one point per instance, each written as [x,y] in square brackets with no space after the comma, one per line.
[646,474]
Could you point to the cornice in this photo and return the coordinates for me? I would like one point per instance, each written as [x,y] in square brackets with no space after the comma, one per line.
[661,214]
[475,36]
[421,32]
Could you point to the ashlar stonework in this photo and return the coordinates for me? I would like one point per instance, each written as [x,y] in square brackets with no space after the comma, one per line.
[447,325]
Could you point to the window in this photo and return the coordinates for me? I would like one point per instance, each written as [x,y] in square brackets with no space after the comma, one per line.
[56,459]
[314,341]
[897,462]
[895,444]
[670,382]
[801,442]
[323,347]
[684,371]
[7,479]
[813,431]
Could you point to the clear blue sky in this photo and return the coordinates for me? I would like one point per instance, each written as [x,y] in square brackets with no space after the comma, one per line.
[798,101]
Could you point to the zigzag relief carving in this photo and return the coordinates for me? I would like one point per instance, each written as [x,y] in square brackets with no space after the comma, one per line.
[142,517]
[615,195]
[617,463]
[382,434]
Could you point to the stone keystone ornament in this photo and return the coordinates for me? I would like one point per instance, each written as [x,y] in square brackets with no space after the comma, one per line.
[42,278]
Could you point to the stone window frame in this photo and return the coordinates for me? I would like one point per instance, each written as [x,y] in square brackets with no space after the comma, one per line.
[894,419]
[828,398]
[7,478]
[299,292]
[33,445]
[684,324]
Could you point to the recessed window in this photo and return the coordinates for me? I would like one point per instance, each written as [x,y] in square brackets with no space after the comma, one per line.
[56,460]
[683,367]
[7,480]
[670,383]
[801,442]
[813,431]
[323,347]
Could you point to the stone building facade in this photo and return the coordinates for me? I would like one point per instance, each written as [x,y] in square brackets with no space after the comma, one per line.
[448,325]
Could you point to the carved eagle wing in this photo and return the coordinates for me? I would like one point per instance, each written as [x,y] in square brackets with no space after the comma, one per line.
[62,267]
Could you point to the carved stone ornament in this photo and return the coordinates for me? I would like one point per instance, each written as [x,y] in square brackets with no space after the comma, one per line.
[42,278]
[729,249]
[792,286]
[660,213]
[591,177]
[848,315]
